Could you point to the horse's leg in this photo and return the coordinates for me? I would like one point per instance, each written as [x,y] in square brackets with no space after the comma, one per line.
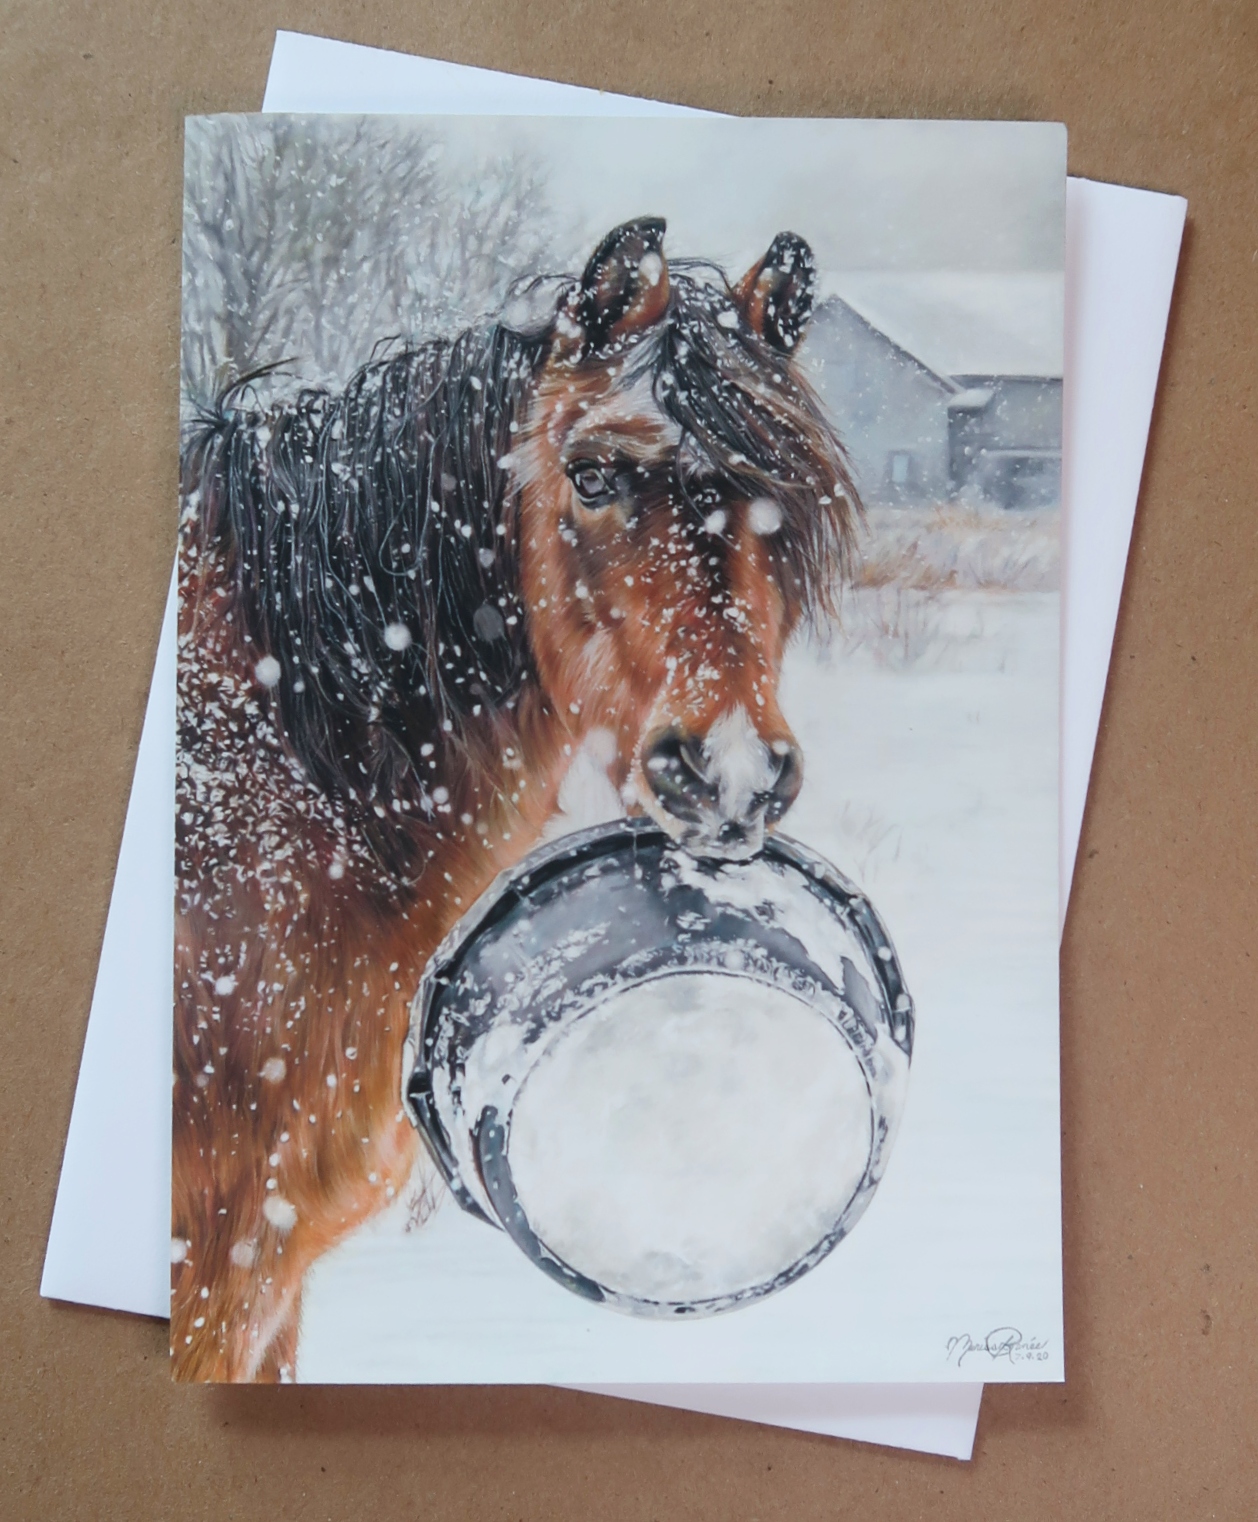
[245,1228]
[289,1130]
[236,1292]
[279,1362]
[223,1281]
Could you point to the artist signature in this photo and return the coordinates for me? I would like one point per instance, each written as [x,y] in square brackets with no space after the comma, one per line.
[1002,1342]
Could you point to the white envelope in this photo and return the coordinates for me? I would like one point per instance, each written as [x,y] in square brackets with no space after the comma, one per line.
[108,1241]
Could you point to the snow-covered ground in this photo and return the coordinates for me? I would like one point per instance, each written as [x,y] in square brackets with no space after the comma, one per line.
[929,729]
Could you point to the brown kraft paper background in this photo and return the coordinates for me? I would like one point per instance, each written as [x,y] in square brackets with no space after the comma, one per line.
[1159,1039]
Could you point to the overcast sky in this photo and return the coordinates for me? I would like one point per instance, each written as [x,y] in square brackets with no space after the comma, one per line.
[865,194]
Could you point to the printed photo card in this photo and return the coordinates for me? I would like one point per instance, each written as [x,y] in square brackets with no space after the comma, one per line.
[617,756]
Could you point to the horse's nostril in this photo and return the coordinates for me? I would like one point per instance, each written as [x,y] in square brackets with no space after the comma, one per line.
[691,753]
[675,772]
[787,783]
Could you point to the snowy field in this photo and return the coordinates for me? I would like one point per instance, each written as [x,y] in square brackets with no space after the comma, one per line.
[929,728]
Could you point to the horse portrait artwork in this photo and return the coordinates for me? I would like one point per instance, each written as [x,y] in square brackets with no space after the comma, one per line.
[406,606]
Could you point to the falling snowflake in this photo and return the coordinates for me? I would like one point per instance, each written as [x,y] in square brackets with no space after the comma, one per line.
[281,1213]
[764,517]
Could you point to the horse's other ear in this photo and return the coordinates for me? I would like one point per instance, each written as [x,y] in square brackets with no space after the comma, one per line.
[625,285]
[776,295]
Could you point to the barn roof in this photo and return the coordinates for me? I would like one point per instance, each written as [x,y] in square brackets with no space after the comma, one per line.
[960,323]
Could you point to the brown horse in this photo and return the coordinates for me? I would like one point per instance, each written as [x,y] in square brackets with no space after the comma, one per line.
[403,609]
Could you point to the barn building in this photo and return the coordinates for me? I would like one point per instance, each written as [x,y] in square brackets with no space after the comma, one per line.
[945,386]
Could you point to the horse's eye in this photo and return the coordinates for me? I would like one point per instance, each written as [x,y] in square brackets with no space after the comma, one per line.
[593,483]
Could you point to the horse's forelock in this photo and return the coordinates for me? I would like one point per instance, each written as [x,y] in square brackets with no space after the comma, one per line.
[758,425]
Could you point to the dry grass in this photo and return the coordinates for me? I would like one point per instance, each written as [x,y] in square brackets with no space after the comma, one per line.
[900,609]
[958,548]
[873,841]
[897,625]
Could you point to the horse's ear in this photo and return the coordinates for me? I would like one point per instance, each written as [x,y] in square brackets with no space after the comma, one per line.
[776,295]
[625,285]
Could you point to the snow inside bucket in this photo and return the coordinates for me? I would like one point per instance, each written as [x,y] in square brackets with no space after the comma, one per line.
[693,1136]
[674,1083]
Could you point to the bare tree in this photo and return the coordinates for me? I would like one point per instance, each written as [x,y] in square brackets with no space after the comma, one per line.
[308,240]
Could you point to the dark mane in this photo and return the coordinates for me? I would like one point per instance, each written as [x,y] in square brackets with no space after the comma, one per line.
[370,536]
[370,543]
